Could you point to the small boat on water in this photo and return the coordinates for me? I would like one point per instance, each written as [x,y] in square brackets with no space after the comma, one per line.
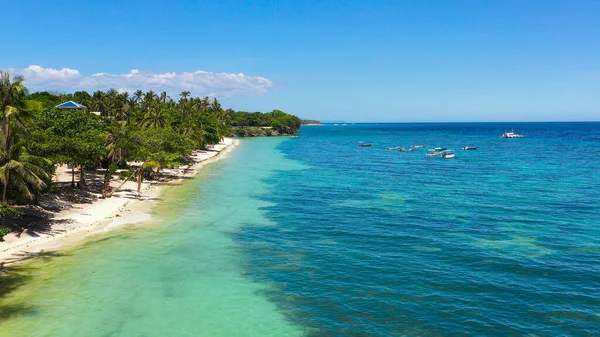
[365,144]
[467,148]
[448,155]
[417,147]
[437,149]
[435,154]
[405,150]
[511,134]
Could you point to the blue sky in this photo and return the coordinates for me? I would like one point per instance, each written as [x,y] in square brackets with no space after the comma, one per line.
[329,60]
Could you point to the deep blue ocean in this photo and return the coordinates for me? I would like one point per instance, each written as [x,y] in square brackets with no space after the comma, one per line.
[503,240]
[316,236]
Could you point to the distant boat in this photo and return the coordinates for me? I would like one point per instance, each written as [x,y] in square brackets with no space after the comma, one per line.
[434,154]
[511,134]
[448,155]
[405,150]
[417,147]
[365,144]
[469,148]
[437,149]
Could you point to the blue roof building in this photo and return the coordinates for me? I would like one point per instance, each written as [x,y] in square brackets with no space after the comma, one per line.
[71,105]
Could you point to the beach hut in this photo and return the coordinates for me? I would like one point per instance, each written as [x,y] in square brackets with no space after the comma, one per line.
[71,106]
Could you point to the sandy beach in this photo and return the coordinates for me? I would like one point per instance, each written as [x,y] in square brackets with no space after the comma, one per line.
[72,222]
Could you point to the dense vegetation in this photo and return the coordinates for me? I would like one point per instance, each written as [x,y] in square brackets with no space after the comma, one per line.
[146,128]
[272,123]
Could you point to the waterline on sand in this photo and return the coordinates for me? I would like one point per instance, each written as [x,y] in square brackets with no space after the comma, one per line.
[79,221]
[180,277]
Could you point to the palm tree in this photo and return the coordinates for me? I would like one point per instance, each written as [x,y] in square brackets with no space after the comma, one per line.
[22,172]
[138,96]
[116,135]
[185,94]
[12,104]
[156,117]
[163,98]
[149,98]
[14,107]
[98,102]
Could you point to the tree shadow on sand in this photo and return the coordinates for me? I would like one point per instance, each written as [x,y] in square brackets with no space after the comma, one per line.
[40,219]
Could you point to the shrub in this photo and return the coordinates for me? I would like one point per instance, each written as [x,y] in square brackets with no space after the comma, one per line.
[9,212]
[3,232]
[125,174]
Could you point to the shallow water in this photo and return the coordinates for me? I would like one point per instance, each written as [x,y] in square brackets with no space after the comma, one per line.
[180,276]
[316,236]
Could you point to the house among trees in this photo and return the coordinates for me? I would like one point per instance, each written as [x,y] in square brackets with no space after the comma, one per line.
[70,105]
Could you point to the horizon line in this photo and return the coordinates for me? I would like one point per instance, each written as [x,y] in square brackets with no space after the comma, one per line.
[456,122]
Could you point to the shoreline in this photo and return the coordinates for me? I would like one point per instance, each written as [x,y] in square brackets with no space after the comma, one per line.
[80,221]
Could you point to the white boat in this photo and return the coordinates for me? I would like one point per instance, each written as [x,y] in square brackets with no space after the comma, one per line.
[467,148]
[511,134]
[448,155]
[418,146]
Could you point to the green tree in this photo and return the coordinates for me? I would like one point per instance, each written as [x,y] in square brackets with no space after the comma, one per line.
[23,172]
[156,117]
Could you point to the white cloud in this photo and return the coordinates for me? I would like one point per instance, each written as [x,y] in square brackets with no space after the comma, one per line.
[199,83]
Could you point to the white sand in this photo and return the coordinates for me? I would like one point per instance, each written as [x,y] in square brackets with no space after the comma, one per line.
[125,207]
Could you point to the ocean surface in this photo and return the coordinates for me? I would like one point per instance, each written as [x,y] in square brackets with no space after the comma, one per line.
[316,236]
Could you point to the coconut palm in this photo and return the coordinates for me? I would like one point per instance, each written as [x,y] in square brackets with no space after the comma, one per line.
[163,97]
[156,117]
[149,98]
[137,96]
[22,172]
[116,135]
[184,95]
[12,104]
[18,169]
[98,102]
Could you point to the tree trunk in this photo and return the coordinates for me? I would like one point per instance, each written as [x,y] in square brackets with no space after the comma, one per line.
[73,175]
[5,148]
[106,186]
[5,189]
[5,131]
[81,177]
[139,180]
[118,188]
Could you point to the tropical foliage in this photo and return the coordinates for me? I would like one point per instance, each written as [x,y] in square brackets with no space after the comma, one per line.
[142,132]
[279,122]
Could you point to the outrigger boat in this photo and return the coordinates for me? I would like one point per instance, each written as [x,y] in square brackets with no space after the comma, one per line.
[435,154]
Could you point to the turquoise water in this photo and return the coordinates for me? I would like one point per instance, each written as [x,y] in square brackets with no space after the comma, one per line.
[502,241]
[179,277]
[316,236]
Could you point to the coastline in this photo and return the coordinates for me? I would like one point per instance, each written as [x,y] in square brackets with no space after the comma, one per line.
[82,220]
